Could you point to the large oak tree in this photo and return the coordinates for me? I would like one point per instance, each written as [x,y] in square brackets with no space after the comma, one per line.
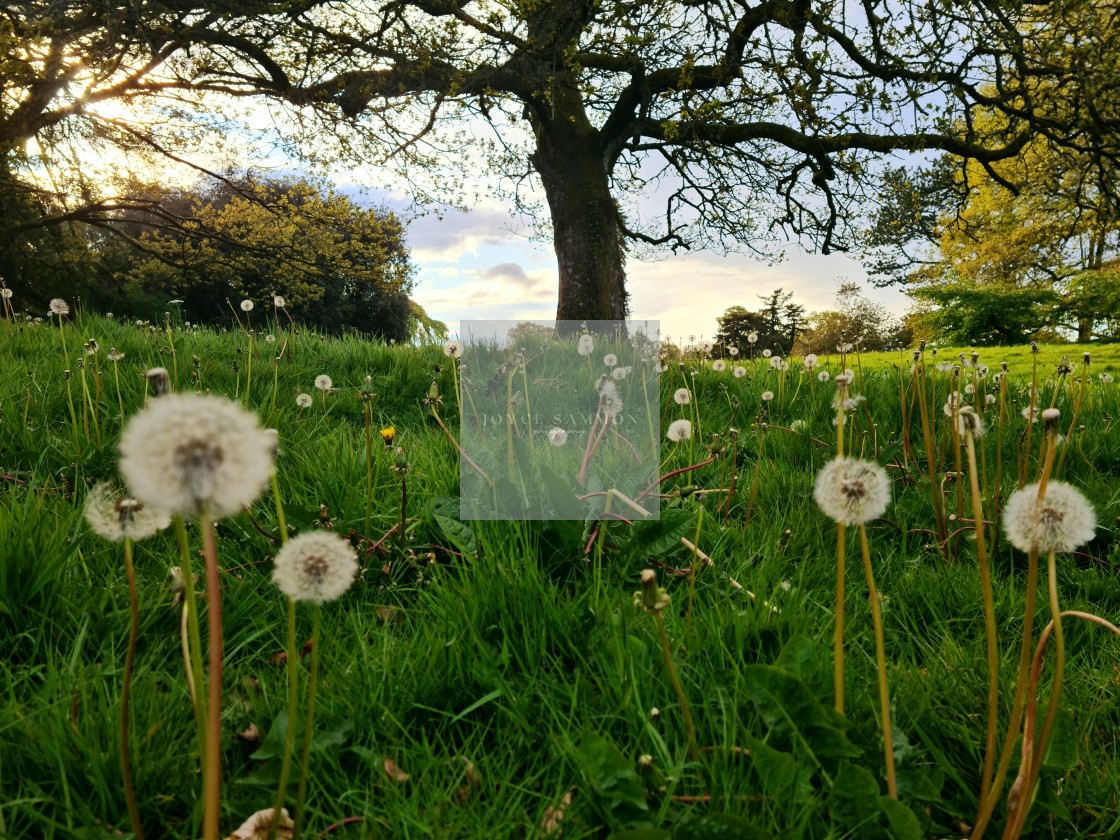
[741,119]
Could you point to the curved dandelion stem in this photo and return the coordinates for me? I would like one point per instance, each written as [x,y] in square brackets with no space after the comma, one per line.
[686,709]
[195,646]
[989,622]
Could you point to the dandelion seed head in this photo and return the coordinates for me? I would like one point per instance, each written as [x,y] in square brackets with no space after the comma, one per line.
[767,396]
[586,345]
[557,436]
[304,400]
[278,301]
[732,351]
[1105,378]
[766,354]
[317,566]
[810,361]
[719,365]
[776,362]
[323,382]
[852,491]
[969,422]
[115,517]
[270,339]
[990,399]
[186,453]
[705,345]
[453,349]
[752,337]
[1063,520]
[620,373]
[681,396]
[823,376]
[679,431]
[739,371]
[246,305]
[6,293]
[1030,413]
[610,360]
[59,307]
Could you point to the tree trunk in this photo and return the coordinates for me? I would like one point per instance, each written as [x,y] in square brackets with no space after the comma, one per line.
[1084,330]
[586,231]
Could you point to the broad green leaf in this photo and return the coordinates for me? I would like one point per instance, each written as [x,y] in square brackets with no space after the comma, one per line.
[854,798]
[903,822]
[781,775]
[789,708]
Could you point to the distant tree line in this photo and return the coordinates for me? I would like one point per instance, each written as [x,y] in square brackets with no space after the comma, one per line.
[782,326]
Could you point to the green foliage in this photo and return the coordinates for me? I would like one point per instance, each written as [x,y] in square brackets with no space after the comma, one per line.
[337,265]
[975,313]
[502,667]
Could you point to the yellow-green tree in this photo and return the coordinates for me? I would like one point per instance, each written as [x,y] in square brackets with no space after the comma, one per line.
[337,265]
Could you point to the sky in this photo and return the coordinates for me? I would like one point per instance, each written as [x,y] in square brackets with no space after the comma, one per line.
[483,264]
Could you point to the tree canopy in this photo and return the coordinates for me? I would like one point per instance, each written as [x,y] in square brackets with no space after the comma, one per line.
[745,123]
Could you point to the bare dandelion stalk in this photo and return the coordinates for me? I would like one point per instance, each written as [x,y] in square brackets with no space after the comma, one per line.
[971,428]
[309,721]
[881,661]
[693,568]
[652,599]
[987,806]
[1076,415]
[126,694]
[931,460]
[194,636]
[213,777]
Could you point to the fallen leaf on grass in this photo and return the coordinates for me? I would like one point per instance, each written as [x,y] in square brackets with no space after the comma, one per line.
[550,822]
[395,773]
[257,826]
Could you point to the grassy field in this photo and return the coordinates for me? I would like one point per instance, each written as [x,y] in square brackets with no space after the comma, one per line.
[494,678]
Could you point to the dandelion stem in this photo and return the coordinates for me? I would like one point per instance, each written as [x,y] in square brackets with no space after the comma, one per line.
[987,806]
[881,659]
[293,711]
[195,637]
[693,568]
[117,382]
[126,693]
[213,776]
[309,720]
[931,462]
[989,622]
[686,710]
[1033,755]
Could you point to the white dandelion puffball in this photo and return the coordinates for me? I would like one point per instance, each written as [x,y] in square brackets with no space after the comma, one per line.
[270,339]
[719,365]
[324,382]
[1106,378]
[681,397]
[6,293]
[620,373]
[969,422]
[246,305]
[1062,521]
[766,354]
[317,566]
[851,374]
[767,396]
[823,376]
[990,399]
[705,345]
[453,349]
[59,307]
[970,388]
[752,337]
[739,372]
[733,351]
[1030,413]
[852,491]
[586,345]
[304,400]
[278,301]
[557,436]
[186,454]
[776,362]
[679,431]
[810,361]
[610,360]
[117,518]
[952,404]
[611,400]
